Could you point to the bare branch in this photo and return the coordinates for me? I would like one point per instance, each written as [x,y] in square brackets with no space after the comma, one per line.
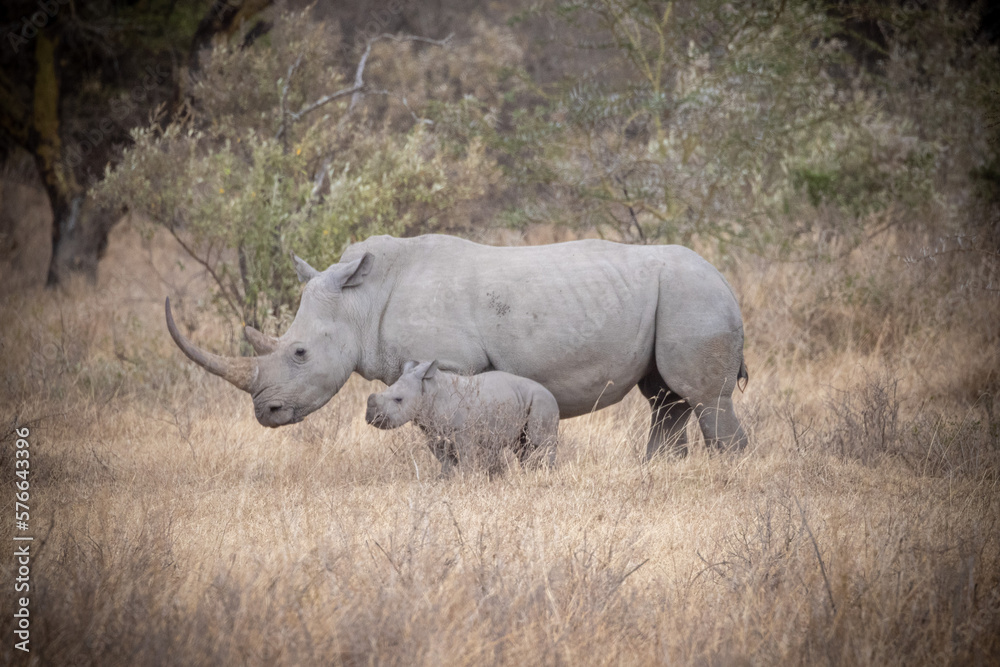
[445,41]
[284,95]
[326,99]
[359,80]
[207,266]
[631,211]
[359,73]
[355,90]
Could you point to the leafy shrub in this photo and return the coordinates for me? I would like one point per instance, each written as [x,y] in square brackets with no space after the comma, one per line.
[701,119]
[258,166]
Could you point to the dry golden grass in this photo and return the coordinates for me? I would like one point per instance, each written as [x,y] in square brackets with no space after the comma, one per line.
[859,528]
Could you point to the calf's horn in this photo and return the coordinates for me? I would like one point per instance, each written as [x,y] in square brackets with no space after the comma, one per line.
[240,371]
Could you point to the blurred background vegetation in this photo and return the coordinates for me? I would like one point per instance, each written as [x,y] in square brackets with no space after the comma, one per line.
[790,130]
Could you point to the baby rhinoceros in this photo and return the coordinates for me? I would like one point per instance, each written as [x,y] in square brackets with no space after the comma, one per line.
[471,417]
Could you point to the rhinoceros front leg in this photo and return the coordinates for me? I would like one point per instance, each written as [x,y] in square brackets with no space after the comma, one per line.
[444,450]
[670,414]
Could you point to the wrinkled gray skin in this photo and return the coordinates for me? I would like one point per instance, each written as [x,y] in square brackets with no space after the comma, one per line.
[588,320]
[464,415]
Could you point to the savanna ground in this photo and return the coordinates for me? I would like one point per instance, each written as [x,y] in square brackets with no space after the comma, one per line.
[860,526]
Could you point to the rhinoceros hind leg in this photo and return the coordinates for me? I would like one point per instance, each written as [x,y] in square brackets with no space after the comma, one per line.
[704,370]
[721,427]
[668,428]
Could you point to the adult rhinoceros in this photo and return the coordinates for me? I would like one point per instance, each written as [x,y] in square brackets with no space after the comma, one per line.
[589,320]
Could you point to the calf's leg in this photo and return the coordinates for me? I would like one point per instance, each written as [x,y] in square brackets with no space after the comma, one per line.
[541,431]
[444,450]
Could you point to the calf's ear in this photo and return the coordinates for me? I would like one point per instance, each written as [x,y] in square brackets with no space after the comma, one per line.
[409,366]
[427,370]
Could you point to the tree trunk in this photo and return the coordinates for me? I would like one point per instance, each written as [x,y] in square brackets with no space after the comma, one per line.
[79,230]
[83,239]
[65,195]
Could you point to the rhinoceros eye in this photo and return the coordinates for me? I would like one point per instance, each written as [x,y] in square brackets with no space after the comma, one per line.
[300,353]
[398,399]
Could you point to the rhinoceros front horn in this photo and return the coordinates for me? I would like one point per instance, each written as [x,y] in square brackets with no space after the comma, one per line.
[240,371]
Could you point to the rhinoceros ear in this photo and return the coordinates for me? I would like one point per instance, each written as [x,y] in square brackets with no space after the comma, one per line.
[356,271]
[303,270]
[348,274]
[426,370]
[409,366]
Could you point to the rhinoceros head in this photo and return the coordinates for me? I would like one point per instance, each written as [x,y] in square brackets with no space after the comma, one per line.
[298,372]
[404,399]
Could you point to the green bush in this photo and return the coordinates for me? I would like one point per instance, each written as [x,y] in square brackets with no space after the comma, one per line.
[244,177]
[754,124]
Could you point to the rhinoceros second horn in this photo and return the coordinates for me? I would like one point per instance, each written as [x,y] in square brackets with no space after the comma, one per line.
[260,342]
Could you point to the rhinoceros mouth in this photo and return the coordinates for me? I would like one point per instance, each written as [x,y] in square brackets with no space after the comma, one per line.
[378,420]
[287,423]
[280,417]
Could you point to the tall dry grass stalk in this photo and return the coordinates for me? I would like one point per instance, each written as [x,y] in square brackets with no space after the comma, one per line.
[859,528]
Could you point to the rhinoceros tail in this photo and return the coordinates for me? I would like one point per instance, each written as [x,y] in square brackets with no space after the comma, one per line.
[743,375]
